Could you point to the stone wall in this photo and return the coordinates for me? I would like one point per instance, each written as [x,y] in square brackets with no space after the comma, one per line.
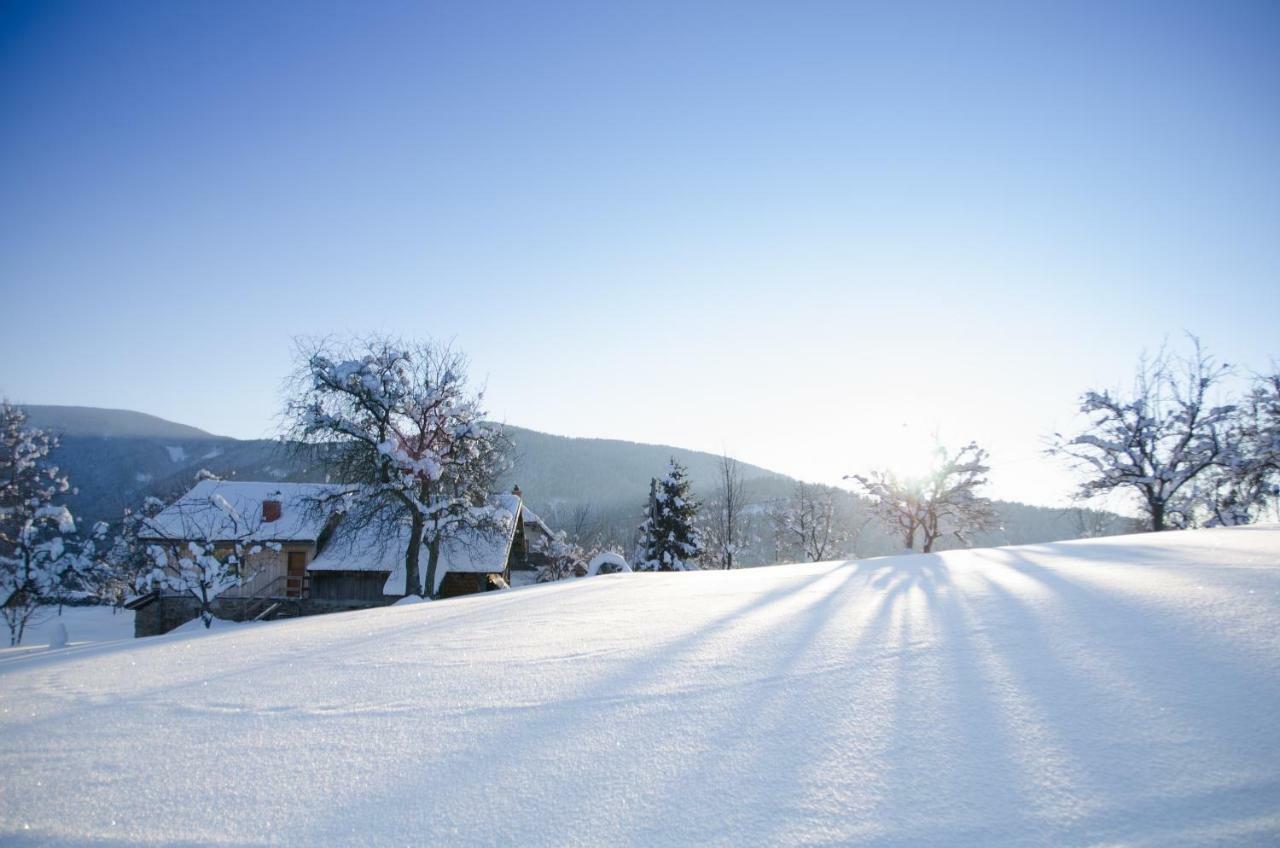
[167,612]
[163,614]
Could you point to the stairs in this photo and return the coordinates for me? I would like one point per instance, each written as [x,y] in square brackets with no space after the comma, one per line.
[271,602]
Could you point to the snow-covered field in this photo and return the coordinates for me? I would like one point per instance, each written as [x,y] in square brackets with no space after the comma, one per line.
[1118,691]
[83,624]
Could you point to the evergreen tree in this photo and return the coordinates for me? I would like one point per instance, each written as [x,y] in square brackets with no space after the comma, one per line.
[668,538]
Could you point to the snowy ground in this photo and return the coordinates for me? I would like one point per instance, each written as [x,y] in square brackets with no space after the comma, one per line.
[84,624]
[1119,691]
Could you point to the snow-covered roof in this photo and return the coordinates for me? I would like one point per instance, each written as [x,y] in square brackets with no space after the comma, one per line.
[473,551]
[533,522]
[221,510]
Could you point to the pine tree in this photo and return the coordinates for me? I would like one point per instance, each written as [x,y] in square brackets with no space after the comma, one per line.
[668,538]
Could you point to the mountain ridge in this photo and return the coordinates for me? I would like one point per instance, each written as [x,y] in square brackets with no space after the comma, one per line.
[591,487]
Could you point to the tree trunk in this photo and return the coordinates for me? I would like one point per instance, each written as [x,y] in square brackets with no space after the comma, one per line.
[412,584]
[433,561]
[911,539]
[1157,516]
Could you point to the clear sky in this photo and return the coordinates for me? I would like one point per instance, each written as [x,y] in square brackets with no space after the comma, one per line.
[811,234]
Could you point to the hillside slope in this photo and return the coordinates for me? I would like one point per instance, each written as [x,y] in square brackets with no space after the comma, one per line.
[115,458]
[1123,690]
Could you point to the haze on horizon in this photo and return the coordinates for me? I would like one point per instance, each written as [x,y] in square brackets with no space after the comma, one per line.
[810,236]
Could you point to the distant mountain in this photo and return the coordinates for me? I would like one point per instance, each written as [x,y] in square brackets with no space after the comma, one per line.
[610,473]
[109,423]
[116,457]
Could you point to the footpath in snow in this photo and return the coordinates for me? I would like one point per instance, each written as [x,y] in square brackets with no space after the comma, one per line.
[1115,691]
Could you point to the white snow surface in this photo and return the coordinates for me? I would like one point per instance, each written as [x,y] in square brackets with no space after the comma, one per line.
[228,509]
[1112,691]
[470,551]
[83,625]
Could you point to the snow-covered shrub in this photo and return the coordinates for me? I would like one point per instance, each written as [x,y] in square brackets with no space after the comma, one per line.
[607,562]
[562,559]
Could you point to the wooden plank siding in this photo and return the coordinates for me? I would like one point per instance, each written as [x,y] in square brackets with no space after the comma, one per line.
[348,585]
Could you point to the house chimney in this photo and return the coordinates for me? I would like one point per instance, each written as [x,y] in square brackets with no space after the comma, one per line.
[515,490]
[270,511]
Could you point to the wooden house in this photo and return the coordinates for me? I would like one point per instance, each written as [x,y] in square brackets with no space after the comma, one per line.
[305,561]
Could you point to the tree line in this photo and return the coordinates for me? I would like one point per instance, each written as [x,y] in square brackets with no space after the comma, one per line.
[410,440]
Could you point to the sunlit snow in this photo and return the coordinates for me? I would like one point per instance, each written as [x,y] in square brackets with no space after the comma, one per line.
[1114,691]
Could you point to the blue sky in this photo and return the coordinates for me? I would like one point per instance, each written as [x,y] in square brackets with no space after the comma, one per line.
[810,234]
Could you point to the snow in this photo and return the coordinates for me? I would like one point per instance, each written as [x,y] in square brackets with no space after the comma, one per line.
[84,625]
[196,626]
[1113,691]
[606,558]
[537,531]
[222,509]
[177,453]
[469,550]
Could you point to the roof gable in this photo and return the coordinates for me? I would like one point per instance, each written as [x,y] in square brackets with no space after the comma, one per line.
[220,510]
[474,551]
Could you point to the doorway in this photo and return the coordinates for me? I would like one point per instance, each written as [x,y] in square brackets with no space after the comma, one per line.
[296,578]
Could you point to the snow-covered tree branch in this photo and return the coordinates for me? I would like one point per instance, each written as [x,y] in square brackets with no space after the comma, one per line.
[1158,439]
[200,550]
[38,548]
[806,526]
[944,501]
[399,423]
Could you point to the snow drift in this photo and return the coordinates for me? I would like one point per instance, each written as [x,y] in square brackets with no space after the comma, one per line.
[1122,690]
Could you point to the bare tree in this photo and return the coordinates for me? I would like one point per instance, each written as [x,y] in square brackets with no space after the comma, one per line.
[577,520]
[1236,490]
[945,501]
[1090,523]
[400,424]
[1157,440]
[724,518]
[805,524]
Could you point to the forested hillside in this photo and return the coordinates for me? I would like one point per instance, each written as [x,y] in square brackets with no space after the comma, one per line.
[592,487]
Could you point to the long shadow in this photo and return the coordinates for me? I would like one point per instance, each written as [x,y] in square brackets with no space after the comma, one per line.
[767,717]
[1174,652]
[522,727]
[956,760]
[945,758]
[1233,815]
[425,621]
[1178,693]
[772,763]
[564,718]
[1129,748]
